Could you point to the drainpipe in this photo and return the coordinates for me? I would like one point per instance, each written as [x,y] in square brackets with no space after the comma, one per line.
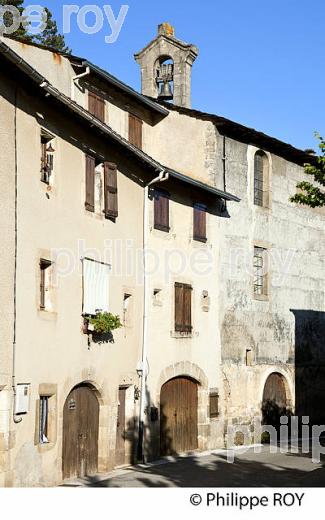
[14,391]
[163,176]
[75,78]
[224,159]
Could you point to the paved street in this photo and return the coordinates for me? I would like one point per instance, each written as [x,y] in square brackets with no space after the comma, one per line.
[212,470]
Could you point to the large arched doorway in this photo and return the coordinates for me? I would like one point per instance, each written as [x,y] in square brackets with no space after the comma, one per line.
[275,400]
[80,432]
[178,416]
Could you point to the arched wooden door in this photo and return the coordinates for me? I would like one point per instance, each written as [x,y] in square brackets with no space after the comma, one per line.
[178,416]
[274,400]
[80,433]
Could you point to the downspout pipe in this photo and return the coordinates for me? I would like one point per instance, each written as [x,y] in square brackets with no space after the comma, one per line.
[163,176]
[14,389]
[76,78]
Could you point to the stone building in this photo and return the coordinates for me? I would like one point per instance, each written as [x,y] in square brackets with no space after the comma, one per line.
[176,220]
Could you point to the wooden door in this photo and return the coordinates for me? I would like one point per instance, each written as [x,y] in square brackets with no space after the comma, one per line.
[178,416]
[274,400]
[120,429]
[80,433]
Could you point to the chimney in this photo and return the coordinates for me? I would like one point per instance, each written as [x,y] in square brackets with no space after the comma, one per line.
[166,67]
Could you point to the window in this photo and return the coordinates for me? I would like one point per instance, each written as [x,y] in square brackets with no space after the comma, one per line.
[199,223]
[47,156]
[261,179]
[135,131]
[95,287]
[213,404]
[43,419]
[127,309]
[260,271]
[96,105]
[161,210]
[110,189]
[45,303]
[183,307]
[90,183]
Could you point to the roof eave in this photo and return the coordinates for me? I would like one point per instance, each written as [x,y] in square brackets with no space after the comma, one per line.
[79,110]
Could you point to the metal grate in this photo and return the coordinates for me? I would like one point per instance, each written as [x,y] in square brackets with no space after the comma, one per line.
[259,179]
[260,286]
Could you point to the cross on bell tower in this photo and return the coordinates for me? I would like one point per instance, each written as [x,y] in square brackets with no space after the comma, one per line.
[166,66]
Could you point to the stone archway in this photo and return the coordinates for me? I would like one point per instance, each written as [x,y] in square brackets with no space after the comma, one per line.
[276,399]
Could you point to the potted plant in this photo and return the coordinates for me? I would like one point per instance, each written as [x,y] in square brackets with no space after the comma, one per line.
[101,326]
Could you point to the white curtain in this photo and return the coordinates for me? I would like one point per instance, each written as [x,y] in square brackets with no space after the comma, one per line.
[95,286]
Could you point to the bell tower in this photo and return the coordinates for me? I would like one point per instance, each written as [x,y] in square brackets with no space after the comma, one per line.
[166,66]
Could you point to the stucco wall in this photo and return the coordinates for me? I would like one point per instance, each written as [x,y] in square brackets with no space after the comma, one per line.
[51,348]
[7,217]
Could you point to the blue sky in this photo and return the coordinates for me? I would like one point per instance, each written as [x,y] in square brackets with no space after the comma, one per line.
[261,62]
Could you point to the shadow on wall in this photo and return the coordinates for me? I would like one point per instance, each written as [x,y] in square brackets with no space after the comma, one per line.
[154,435]
[310,364]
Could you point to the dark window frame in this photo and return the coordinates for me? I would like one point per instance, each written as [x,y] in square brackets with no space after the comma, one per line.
[260,274]
[43,265]
[44,421]
[47,159]
[260,178]
[214,405]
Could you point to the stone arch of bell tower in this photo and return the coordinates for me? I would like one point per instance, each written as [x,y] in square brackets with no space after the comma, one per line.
[180,54]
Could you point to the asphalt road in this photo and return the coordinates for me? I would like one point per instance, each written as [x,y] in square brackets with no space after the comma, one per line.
[249,469]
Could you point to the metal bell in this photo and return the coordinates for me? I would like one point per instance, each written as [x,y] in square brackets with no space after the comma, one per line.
[166,92]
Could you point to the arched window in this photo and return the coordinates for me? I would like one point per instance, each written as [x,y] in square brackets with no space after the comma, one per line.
[261,175]
[164,73]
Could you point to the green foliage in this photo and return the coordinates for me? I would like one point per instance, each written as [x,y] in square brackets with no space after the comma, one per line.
[105,322]
[7,19]
[50,37]
[310,194]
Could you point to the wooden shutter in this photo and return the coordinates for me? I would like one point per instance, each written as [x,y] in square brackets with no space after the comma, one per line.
[187,320]
[161,210]
[90,183]
[135,131]
[96,105]
[110,186]
[183,307]
[199,223]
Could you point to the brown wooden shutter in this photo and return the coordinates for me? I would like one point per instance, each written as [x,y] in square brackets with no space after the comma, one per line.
[96,105]
[90,183]
[91,103]
[183,307]
[110,186]
[161,210]
[135,131]
[187,319]
[199,223]
[178,307]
